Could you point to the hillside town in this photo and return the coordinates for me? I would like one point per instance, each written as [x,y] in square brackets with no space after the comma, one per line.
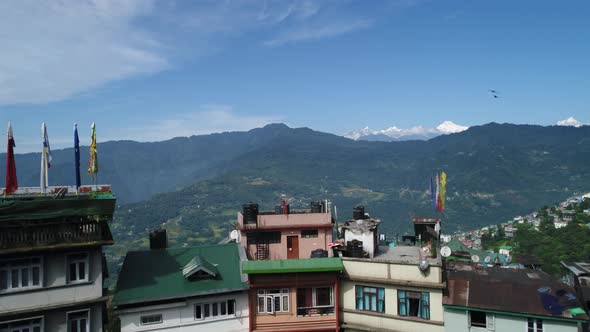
[285,269]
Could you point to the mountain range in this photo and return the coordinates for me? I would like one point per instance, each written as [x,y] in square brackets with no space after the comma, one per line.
[395,134]
[194,186]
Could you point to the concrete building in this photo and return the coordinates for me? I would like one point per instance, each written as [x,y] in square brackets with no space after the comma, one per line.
[284,233]
[183,289]
[480,299]
[396,288]
[578,276]
[51,262]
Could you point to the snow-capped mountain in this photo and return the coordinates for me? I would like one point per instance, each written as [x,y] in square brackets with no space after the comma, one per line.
[572,122]
[405,134]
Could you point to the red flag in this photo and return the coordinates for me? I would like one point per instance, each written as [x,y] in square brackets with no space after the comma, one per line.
[11,181]
[439,203]
[285,211]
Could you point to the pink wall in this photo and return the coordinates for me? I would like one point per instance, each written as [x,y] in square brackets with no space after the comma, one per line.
[306,245]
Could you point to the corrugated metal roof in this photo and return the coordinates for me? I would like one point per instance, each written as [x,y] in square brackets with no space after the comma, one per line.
[326,264]
[520,291]
[154,275]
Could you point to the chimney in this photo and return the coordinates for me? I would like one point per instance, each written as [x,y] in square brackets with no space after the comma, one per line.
[158,239]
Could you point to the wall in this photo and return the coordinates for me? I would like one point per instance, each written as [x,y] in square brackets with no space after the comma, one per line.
[389,320]
[180,316]
[56,320]
[306,245]
[55,290]
[365,268]
[458,321]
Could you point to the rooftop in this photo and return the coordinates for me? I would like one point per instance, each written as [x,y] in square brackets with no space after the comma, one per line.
[326,264]
[164,278]
[410,255]
[578,269]
[419,220]
[511,291]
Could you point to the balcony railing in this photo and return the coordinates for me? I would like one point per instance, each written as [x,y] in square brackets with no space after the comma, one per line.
[315,311]
[17,238]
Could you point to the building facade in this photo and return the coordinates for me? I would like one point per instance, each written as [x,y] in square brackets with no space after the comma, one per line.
[184,289]
[51,263]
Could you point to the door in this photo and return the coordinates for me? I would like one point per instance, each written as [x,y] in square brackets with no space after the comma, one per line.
[292,247]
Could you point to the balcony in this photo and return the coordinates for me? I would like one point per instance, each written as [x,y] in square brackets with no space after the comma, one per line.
[315,311]
[35,236]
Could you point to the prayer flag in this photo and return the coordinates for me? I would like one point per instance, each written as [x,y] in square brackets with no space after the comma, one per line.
[11,180]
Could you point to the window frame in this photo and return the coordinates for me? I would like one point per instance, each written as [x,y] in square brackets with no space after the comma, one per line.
[77,261]
[310,233]
[31,326]
[68,320]
[535,327]
[423,304]
[230,309]
[490,321]
[8,267]
[160,321]
[270,299]
[365,291]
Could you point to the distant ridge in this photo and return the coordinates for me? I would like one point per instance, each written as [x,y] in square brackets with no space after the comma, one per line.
[394,133]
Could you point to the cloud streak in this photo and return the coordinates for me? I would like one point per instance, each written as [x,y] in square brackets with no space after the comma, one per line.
[301,34]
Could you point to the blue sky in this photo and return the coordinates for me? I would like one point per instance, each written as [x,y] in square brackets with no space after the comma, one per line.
[150,71]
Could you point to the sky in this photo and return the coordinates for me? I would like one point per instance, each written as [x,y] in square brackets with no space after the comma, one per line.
[153,70]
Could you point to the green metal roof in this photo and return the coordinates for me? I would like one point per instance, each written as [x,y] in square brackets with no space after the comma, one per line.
[326,264]
[154,275]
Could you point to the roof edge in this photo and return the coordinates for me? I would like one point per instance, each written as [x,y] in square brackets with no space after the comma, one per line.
[510,313]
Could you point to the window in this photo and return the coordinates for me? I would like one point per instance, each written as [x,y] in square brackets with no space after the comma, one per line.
[77,267]
[78,321]
[309,233]
[215,309]
[273,300]
[27,325]
[21,274]
[413,304]
[315,301]
[151,319]
[370,298]
[534,325]
[264,237]
[481,319]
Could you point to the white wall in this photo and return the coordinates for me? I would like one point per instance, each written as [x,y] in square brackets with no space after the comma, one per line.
[55,291]
[180,316]
[458,321]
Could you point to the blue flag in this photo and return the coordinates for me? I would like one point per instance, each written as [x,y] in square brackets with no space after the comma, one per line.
[77,156]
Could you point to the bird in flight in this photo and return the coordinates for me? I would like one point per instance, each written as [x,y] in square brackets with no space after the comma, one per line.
[494,93]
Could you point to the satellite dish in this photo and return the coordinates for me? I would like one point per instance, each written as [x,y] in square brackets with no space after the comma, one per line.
[508,259]
[475,258]
[445,251]
[234,235]
[487,259]
[423,265]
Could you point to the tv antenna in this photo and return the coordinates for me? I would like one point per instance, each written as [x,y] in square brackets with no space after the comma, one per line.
[475,259]
[445,251]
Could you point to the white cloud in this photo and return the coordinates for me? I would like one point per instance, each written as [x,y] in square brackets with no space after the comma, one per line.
[572,122]
[52,50]
[307,33]
[207,119]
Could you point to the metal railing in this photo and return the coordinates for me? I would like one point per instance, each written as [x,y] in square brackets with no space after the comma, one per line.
[315,311]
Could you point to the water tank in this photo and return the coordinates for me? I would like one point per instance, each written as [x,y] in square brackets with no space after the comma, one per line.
[250,212]
[355,248]
[358,212]
[158,239]
[318,253]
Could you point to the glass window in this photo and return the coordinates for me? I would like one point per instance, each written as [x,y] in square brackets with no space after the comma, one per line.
[231,307]
[477,318]
[198,311]
[78,321]
[26,325]
[20,274]
[223,308]
[273,300]
[307,233]
[215,309]
[414,304]
[370,298]
[534,325]
[77,267]
[151,319]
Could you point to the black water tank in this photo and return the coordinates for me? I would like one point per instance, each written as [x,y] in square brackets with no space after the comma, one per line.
[250,212]
[355,248]
[158,239]
[319,253]
[358,212]
[316,207]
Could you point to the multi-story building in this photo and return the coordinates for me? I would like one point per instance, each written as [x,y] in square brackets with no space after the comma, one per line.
[498,299]
[289,291]
[183,289]
[394,288]
[51,262]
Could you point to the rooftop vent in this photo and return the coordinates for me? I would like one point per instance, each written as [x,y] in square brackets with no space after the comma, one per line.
[199,268]
[250,212]
[359,213]
[158,239]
